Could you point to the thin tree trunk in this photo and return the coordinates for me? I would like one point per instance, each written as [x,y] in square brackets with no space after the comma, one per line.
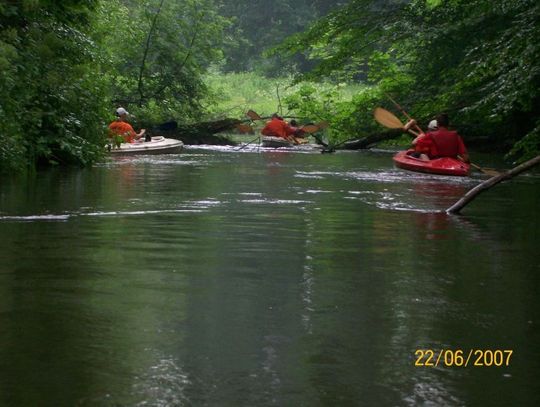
[484,186]
[191,43]
[145,54]
[280,108]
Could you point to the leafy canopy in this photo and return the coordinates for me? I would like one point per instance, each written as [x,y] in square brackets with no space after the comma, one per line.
[479,60]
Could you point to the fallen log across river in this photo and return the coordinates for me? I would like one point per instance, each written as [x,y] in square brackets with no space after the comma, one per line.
[198,133]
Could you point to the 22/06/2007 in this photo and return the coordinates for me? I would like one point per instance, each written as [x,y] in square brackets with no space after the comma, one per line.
[459,358]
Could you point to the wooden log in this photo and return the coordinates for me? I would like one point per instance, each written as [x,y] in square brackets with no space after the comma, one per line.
[197,133]
[484,186]
[207,133]
[368,141]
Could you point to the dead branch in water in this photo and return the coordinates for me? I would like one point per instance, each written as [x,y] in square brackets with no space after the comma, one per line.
[484,186]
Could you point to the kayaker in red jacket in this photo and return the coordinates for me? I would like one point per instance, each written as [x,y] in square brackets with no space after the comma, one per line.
[277,127]
[440,142]
[122,128]
[423,146]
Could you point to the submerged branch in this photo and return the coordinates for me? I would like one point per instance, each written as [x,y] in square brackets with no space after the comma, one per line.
[484,186]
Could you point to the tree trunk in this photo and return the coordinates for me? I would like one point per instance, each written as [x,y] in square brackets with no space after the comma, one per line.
[484,186]
[197,133]
[205,133]
[365,142]
[145,54]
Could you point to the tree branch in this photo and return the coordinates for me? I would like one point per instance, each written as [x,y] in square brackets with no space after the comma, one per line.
[484,186]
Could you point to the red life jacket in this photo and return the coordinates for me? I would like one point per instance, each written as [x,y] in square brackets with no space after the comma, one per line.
[425,145]
[447,143]
[277,128]
[123,129]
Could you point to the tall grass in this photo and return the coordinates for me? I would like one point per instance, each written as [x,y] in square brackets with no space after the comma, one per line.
[233,94]
[346,108]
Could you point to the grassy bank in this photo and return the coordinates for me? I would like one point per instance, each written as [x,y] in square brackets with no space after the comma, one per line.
[233,94]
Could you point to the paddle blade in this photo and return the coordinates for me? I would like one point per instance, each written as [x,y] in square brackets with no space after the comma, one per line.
[491,173]
[244,128]
[253,115]
[322,125]
[310,128]
[387,119]
[488,171]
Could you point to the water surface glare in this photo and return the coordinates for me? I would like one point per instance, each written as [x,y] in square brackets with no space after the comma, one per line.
[252,277]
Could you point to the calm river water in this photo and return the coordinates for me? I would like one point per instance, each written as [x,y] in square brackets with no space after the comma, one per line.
[245,278]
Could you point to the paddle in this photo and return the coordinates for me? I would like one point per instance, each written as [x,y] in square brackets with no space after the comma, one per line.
[244,128]
[487,171]
[310,128]
[322,125]
[403,111]
[314,128]
[253,115]
[245,145]
[389,120]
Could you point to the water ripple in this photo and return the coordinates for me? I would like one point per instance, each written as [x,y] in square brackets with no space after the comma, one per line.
[163,385]
[188,207]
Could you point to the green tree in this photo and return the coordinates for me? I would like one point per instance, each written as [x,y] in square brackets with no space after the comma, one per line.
[159,51]
[479,60]
[51,91]
[259,25]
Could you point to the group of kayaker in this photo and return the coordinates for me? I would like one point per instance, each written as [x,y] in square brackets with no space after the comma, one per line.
[438,141]
[276,127]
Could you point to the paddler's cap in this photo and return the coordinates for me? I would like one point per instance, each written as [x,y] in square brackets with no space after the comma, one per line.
[433,125]
[121,111]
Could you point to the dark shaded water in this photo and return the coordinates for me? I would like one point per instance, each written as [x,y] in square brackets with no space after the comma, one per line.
[251,279]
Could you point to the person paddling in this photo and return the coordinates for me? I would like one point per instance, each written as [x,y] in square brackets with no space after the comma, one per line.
[296,130]
[121,127]
[439,142]
[277,127]
[423,146]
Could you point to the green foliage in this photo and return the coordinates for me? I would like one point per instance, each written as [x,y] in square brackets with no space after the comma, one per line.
[338,104]
[65,64]
[528,147]
[159,51]
[233,94]
[478,60]
[342,42]
[51,92]
[259,25]
[483,63]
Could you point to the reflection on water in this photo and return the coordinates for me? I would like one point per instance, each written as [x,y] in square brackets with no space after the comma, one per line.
[164,384]
[223,277]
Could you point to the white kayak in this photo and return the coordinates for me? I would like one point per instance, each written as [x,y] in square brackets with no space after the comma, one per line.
[158,145]
[275,142]
[279,142]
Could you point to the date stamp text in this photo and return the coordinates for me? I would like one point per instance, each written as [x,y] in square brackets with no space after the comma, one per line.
[463,358]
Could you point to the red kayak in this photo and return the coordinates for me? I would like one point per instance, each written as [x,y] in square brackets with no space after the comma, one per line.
[442,166]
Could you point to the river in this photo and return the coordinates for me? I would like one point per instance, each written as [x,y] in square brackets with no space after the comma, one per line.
[218,277]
